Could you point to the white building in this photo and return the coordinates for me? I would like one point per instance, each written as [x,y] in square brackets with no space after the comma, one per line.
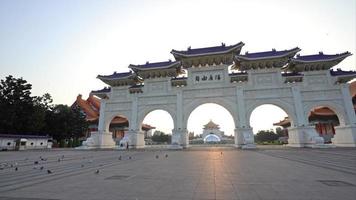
[212,132]
[239,83]
[23,142]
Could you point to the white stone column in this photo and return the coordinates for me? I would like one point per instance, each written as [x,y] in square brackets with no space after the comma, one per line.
[135,135]
[298,107]
[103,138]
[179,133]
[345,135]
[244,137]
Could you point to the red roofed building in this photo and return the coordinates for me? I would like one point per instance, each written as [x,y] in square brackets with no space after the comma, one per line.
[323,118]
[91,109]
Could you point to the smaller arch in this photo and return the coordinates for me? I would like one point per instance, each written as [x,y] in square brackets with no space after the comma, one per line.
[289,109]
[332,106]
[110,116]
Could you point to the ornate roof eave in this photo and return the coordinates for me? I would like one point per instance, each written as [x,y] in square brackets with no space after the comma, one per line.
[289,53]
[119,79]
[103,93]
[343,76]
[297,64]
[178,54]
[138,68]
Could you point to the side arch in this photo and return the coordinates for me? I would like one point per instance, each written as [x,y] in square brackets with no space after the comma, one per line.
[109,116]
[286,107]
[336,108]
[143,112]
[228,105]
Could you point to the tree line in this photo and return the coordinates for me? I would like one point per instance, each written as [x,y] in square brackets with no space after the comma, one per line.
[22,113]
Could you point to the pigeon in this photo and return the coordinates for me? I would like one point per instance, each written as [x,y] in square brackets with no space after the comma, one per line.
[166,155]
[1,167]
[62,156]
[129,157]
[157,156]
[59,160]
[49,171]
[82,165]
[97,171]
[119,157]
[16,168]
[36,162]
[41,168]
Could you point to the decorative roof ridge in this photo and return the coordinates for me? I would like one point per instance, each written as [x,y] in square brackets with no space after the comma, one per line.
[237,73]
[268,54]
[340,72]
[207,50]
[292,74]
[105,89]
[320,57]
[116,75]
[154,65]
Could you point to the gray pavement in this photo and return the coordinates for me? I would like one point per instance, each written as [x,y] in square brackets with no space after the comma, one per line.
[198,173]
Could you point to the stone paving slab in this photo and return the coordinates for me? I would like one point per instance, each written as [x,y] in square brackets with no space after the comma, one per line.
[204,173]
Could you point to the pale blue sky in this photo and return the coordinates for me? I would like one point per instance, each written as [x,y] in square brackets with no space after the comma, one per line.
[60,46]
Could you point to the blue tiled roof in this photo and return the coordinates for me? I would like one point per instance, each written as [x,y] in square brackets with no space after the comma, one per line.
[340,72]
[272,53]
[155,65]
[116,75]
[179,78]
[238,73]
[292,74]
[321,56]
[137,86]
[104,90]
[215,49]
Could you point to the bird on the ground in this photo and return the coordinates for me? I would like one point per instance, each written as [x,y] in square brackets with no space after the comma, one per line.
[166,155]
[119,157]
[49,171]
[82,165]
[97,171]
[59,160]
[157,156]
[130,157]
[41,168]
[62,156]
[16,168]
[36,162]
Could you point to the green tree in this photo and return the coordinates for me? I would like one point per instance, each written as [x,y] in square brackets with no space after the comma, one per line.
[19,112]
[161,137]
[266,136]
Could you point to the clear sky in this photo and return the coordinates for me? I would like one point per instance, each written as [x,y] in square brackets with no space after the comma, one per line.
[60,46]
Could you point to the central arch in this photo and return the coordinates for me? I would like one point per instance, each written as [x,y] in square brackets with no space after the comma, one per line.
[227,104]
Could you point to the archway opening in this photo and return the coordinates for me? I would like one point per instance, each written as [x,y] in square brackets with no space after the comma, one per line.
[210,123]
[270,123]
[157,126]
[324,119]
[118,126]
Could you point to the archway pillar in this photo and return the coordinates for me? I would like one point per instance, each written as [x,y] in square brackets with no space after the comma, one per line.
[180,137]
[345,136]
[244,138]
[304,136]
[135,138]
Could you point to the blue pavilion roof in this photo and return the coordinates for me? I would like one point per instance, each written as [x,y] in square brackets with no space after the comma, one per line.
[104,90]
[321,57]
[117,75]
[269,54]
[208,50]
[289,74]
[340,72]
[155,65]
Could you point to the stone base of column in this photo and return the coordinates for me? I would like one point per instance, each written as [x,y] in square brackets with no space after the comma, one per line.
[99,140]
[180,138]
[305,136]
[136,139]
[345,136]
[244,138]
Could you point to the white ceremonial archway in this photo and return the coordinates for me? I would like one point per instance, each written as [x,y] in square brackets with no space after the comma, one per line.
[294,83]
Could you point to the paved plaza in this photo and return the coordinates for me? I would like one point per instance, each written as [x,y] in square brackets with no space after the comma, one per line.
[197,173]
